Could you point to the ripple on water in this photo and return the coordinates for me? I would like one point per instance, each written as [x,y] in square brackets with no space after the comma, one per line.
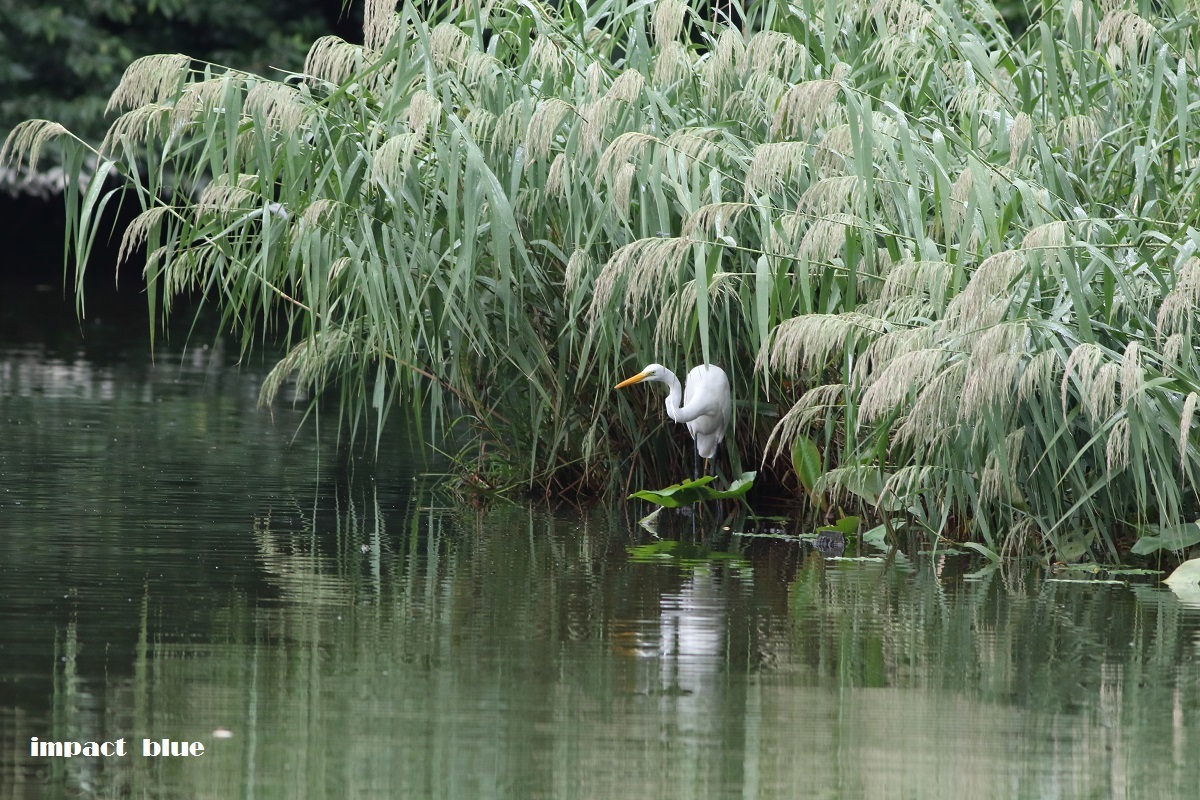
[175,561]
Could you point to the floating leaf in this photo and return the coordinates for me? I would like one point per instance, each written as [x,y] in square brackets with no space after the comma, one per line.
[1086,580]
[1176,537]
[787,537]
[697,491]
[1098,569]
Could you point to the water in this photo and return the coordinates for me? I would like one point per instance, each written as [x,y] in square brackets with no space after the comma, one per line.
[175,563]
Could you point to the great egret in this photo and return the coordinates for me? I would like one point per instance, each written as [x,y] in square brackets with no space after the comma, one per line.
[706,403]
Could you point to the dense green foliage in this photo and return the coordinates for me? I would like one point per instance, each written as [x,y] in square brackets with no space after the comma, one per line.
[61,60]
[968,259]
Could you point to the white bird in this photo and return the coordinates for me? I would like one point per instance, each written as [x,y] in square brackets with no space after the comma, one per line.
[706,405]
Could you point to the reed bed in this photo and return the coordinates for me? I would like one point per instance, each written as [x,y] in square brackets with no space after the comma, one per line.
[963,263]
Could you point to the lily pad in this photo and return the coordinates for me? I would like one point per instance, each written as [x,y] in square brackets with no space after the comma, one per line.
[697,491]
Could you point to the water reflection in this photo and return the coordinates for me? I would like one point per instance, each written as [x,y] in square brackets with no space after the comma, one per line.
[172,564]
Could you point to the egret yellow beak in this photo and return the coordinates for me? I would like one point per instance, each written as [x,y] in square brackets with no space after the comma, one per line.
[641,376]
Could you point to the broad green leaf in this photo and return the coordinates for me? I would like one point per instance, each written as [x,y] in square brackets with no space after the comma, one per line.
[1186,574]
[806,460]
[650,521]
[847,525]
[876,537]
[983,550]
[1173,538]
[697,491]
[763,280]
[1072,546]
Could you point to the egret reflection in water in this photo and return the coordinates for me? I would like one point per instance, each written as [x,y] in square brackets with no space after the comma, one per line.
[175,562]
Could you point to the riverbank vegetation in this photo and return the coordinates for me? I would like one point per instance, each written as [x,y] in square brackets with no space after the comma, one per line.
[957,265]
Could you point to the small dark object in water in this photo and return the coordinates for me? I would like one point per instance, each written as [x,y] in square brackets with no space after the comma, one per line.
[830,543]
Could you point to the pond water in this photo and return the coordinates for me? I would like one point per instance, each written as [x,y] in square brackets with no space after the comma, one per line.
[177,563]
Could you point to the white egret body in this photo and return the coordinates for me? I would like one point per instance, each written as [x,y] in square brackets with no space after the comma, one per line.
[706,403]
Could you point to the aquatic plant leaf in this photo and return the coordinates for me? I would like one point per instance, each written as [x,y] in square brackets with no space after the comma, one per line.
[991,554]
[697,491]
[1184,582]
[787,537]
[1175,537]
[877,537]
[1098,569]
[1186,574]
[1071,546]
[847,525]
[1105,581]
[1187,594]
[650,521]
[806,460]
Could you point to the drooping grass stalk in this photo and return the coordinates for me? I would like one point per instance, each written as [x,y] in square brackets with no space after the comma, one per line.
[968,260]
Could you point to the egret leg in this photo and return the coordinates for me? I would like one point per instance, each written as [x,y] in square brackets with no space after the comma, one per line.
[696,465]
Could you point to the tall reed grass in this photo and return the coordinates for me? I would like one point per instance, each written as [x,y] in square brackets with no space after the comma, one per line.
[964,263]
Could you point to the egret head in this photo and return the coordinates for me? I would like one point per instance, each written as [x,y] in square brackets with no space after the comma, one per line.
[653,372]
